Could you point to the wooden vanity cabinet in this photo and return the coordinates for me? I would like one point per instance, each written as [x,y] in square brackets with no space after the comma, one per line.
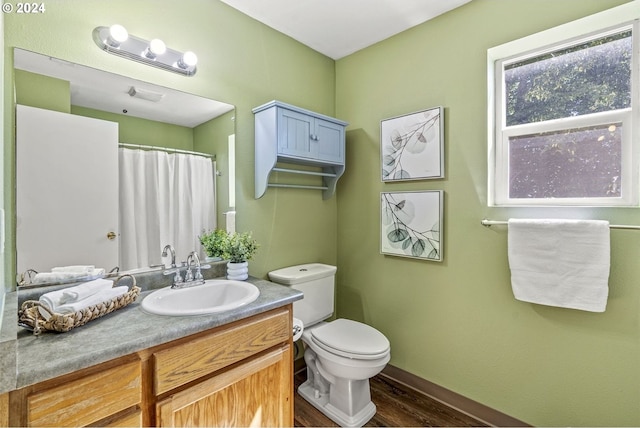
[239,374]
[4,409]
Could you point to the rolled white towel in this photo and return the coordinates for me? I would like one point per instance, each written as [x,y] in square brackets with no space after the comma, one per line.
[52,301]
[84,290]
[74,269]
[53,277]
[97,298]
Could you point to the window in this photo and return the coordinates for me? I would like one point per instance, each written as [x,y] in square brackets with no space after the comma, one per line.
[563,109]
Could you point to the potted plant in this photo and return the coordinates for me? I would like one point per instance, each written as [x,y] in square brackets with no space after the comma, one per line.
[239,249]
[214,243]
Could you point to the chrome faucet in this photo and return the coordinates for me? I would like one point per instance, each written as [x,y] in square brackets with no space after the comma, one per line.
[191,278]
[177,279]
[173,254]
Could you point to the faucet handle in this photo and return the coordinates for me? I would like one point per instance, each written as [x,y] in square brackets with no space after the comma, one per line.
[177,279]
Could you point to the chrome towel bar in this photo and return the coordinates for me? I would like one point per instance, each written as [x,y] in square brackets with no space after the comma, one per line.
[488,223]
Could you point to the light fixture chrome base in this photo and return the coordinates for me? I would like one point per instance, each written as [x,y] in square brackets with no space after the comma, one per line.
[135,48]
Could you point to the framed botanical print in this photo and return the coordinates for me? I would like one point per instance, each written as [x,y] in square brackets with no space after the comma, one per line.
[412,146]
[411,224]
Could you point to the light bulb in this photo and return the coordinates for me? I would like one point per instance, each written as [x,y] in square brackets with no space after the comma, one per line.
[117,35]
[189,59]
[157,47]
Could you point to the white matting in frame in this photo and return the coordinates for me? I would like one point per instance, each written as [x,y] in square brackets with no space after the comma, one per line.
[411,224]
[412,146]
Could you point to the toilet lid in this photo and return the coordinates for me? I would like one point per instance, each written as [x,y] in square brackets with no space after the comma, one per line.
[351,339]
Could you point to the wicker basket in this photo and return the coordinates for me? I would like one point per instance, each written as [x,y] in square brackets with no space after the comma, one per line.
[29,315]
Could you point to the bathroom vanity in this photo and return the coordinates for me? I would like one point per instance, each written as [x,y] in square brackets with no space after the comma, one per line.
[131,368]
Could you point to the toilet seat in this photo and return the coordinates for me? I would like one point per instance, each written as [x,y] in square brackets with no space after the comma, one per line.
[351,339]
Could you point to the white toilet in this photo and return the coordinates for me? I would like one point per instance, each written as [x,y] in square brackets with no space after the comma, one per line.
[341,355]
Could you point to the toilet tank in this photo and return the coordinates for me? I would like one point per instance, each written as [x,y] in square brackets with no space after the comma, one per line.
[317,283]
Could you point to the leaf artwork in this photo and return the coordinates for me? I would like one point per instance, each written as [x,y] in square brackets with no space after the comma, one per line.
[406,146]
[401,232]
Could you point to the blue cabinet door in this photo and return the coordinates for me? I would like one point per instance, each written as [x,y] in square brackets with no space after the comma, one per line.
[294,134]
[329,140]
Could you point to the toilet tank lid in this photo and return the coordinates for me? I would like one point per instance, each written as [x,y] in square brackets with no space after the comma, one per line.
[301,273]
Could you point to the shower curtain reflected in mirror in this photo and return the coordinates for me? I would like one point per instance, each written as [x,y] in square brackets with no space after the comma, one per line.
[165,198]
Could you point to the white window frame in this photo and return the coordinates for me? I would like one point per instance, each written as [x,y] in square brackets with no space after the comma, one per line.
[610,21]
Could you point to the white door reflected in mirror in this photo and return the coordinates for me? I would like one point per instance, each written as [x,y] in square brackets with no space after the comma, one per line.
[67,190]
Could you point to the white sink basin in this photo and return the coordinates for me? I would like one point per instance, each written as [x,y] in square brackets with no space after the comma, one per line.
[215,295]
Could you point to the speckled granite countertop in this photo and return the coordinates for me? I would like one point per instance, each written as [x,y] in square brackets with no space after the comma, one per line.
[26,359]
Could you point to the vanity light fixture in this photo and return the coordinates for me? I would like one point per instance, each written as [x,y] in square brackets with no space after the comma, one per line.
[116,40]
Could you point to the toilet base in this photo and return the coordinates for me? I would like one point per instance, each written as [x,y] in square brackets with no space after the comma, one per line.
[321,402]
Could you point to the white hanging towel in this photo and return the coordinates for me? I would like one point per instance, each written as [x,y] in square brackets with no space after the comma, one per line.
[563,263]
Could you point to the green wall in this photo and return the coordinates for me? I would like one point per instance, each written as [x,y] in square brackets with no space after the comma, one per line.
[135,130]
[456,323]
[213,137]
[29,88]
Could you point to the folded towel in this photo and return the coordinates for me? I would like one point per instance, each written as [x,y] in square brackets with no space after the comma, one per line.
[84,290]
[75,269]
[563,263]
[95,299]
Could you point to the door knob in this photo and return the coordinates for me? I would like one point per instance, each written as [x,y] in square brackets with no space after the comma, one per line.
[111,236]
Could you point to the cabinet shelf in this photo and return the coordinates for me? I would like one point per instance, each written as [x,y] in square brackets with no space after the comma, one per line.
[295,136]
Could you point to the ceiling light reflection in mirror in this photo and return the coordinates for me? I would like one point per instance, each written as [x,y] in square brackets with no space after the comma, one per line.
[101,90]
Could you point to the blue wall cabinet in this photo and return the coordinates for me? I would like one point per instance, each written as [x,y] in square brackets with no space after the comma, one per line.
[295,136]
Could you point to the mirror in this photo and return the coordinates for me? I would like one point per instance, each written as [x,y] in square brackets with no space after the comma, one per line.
[147,114]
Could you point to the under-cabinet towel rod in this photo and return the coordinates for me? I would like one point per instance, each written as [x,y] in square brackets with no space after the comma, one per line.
[488,223]
[166,149]
[297,186]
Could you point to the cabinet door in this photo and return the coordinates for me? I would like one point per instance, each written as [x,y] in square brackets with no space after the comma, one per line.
[294,134]
[329,138]
[256,393]
[87,400]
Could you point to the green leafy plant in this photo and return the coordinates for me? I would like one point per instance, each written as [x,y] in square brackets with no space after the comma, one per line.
[240,247]
[214,242]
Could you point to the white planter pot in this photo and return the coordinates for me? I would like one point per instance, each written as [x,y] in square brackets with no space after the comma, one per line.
[238,271]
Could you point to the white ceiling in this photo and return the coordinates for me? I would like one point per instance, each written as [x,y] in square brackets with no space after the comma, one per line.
[337,28]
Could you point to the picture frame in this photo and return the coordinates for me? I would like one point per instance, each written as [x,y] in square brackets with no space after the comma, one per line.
[412,146]
[411,224]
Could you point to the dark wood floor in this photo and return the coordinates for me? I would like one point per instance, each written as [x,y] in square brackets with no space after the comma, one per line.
[397,406]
